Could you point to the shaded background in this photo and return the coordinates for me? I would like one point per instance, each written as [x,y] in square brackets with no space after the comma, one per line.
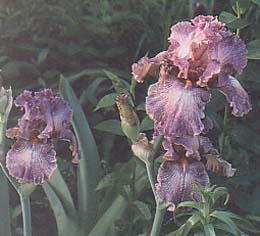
[93,44]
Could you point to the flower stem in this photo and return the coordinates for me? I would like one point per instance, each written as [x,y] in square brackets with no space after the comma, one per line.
[238,15]
[160,206]
[225,120]
[26,210]
[158,219]
[150,163]
[151,175]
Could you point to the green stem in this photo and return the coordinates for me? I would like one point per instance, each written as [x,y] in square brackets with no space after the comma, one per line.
[191,11]
[26,210]
[222,146]
[212,6]
[151,175]
[150,163]
[158,219]
[238,16]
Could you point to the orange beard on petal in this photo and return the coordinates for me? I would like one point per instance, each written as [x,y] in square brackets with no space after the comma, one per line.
[188,84]
[184,163]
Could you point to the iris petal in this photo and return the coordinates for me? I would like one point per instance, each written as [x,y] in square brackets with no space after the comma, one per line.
[236,96]
[147,66]
[176,110]
[31,162]
[48,116]
[224,56]
[175,183]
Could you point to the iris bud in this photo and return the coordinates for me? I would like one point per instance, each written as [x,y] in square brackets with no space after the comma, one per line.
[129,121]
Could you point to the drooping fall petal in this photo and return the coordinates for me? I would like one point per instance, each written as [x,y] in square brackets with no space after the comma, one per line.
[31,162]
[176,181]
[176,110]
[236,96]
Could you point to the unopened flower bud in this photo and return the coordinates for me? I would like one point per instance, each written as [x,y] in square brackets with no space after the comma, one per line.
[129,121]
[142,148]
[6,101]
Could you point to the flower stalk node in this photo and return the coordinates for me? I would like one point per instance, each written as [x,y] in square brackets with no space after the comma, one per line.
[143,149]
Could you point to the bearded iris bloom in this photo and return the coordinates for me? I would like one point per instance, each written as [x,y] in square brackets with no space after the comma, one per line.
[46,117]
[202,54]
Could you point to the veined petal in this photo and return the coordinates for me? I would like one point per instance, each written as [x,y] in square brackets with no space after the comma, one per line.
[176,180]
[236,96]
[181,39]
[176,110]
[31,162]
[224,56]
[147,66]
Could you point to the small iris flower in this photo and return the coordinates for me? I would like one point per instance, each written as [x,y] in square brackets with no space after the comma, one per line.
[202,54]
[47,116]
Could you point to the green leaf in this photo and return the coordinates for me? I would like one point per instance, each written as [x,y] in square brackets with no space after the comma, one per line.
[89,167]
[209,230]
[243,5]
[253,48]
[66,226]
[5,223]
[227,17]
[187,227]
[224,227]
[146,124]
[106,101]
[106,182]
[251,74]
[238,24]
[118,84]
[42,55]
[118,207]
[256,2]
[242,223]
[220,192]
[192,204]
[110,126]
[143,209]
[26,189]
[59,186]
[232,21]
[222,216]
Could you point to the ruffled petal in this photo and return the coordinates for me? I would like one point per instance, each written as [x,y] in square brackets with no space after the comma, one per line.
[46,116]
[236,96]
[193,147]
[224,56]
[217,164]
[183,36]
[31,162]
[176,110]
[147,66]
[176,181]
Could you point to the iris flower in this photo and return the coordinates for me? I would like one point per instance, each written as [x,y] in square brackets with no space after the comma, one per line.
[46,117]
[202,54]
